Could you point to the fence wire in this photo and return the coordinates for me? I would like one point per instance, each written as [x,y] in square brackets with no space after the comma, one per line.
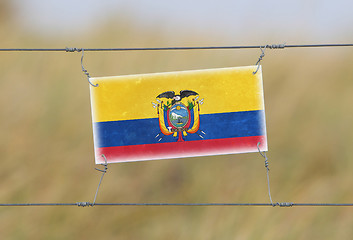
[89,204]
[268,46]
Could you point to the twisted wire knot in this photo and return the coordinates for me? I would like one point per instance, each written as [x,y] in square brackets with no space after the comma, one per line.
[263,48]
[68,49]
[84,204]
[276,46]
[267,164]
[283,204]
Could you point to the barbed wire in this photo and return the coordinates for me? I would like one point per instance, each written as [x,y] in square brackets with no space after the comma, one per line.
[269,46]
[89,204]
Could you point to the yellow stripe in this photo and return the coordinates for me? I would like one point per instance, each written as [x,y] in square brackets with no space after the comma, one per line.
[131,97]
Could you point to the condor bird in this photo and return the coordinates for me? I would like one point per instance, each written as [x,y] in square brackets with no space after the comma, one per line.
[177,98]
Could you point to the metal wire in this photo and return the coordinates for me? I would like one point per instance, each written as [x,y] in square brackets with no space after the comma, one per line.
[103,172]
[88,204]
[258,63]
[271,46]
[83,69]
[262,47]
[263,154]
[35,204]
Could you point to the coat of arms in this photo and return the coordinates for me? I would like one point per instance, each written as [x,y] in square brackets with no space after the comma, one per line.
[179,115]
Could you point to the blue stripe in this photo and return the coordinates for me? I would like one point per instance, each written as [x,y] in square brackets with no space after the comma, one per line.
[144,131]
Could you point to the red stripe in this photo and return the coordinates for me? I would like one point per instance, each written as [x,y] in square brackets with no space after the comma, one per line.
[181,149]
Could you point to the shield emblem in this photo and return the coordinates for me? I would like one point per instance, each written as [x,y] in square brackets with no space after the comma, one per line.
[178,116]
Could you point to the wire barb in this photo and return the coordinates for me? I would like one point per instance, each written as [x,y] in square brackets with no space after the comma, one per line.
[276,46]
[84,204]
[68,49]
[285,204]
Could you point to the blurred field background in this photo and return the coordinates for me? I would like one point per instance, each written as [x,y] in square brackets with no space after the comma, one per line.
[46,138]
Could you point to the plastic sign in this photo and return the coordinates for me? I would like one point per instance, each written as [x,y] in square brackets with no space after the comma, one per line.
[178,114]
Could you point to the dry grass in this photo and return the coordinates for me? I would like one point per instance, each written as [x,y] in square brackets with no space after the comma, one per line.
[47,149]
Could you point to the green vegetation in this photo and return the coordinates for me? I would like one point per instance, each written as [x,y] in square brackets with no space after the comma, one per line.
[190,105]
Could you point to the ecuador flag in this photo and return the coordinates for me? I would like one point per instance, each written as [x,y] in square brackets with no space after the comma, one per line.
[178,114]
